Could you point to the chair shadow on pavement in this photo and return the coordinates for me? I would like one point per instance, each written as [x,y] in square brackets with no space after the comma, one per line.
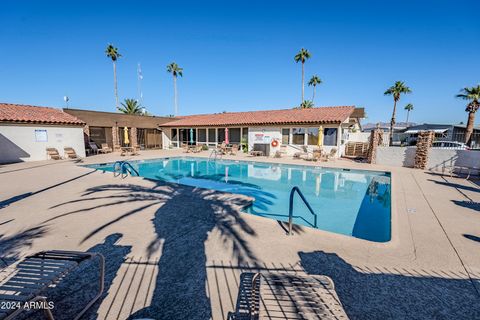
[396,293]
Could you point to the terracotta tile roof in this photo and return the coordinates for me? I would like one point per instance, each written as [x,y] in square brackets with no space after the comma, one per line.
[266,117]
[32,114]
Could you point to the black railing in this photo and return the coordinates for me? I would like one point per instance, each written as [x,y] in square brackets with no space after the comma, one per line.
[124,168]
[290,210]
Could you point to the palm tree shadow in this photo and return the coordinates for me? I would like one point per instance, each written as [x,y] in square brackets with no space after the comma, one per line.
[182,226]
[12,246]
[184,221]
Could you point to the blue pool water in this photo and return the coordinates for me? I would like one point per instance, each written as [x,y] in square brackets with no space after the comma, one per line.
[349,202]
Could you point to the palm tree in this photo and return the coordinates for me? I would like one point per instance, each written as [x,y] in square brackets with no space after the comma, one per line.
[408,107]
[307,104]
[396,91]
[314,81]
[131,106]
[113,54]
[302,56]
[175,70]
[472,95]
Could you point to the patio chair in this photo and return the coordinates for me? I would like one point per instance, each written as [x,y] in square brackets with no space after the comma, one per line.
[70,153]
[234,150]
[105,148]
[185,148]
[53,154]
[93,147]
[28,280]
[283,295]
[223,147]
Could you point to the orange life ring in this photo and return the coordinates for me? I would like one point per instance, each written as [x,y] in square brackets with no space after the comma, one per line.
[274,143]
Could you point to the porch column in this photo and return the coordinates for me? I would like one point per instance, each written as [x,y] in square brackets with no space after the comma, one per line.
[86,133]
[115,141]
[133,137]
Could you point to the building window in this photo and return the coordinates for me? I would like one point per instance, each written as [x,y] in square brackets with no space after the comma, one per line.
[183,135]
[234,135]
[298,136]
[211,135]
[221,135]
[101,135]
[245,134]
[285,136]
[330,136]
[202,135]
[312,136]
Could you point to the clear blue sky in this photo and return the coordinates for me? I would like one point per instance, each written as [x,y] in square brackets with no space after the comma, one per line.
[240,56]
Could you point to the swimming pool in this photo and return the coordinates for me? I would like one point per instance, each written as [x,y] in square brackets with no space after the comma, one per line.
[350,202]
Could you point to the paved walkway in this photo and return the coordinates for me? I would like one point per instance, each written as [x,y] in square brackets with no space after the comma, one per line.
[176,251]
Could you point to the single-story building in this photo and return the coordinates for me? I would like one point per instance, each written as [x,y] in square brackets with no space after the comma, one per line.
[292,128]
[443,132]
[107,127]
[27,131]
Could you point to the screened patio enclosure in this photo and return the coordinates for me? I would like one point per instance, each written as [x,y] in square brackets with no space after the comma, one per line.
[208,136]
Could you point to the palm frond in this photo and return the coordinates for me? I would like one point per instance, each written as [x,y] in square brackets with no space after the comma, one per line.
[314,80]
[302,56]
[131,106]
[112,52]
[174,69]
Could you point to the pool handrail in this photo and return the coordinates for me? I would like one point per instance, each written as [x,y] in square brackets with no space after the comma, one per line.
[290,209]
[125,167]
[119,162]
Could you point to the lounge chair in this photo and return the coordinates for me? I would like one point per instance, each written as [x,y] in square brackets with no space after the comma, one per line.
[198,148]
[105,148]
[459,169]
[52,153]
[70,153]
[29,280]
[185,148]
[303,153]
[283,295]
[331,155]
[280,153]
[93,147]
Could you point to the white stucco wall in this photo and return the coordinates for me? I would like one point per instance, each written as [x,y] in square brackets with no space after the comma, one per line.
[264,135]
[438,159]
[396,156]
[18,141]
[267,134]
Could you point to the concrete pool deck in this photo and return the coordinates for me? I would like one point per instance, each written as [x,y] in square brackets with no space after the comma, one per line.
[177,251]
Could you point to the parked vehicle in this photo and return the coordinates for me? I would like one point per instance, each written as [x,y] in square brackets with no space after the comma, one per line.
[450,145]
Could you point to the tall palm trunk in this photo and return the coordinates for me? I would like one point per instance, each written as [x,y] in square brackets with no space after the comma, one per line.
[175,94]
[115,85]
[392,122]
[469,130]
[313,97]
[303,81]
[408,114]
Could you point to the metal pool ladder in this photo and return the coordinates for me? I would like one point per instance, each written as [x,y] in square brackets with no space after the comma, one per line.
[124,169]
[290,209]
[215,153]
